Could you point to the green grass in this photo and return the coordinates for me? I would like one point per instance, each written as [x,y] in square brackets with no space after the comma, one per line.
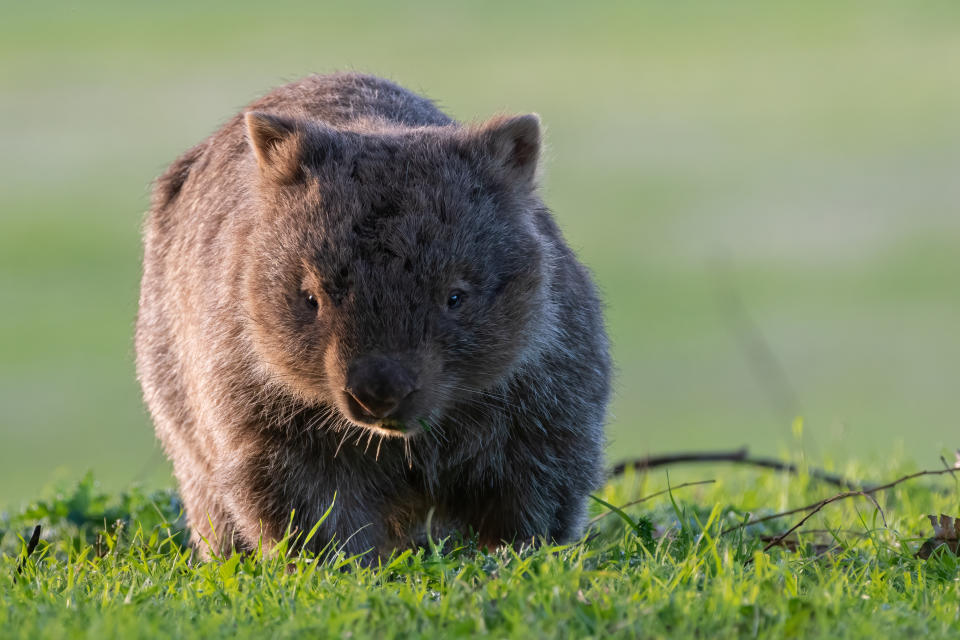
[803,155]
[115,566]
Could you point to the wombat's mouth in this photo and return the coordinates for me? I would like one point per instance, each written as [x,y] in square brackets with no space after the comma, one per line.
[390,428]
[389,425]
[393,425]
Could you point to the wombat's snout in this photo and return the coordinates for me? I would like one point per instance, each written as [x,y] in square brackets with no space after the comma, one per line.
[376,387]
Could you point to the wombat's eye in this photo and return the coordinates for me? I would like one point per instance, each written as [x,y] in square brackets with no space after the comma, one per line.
[455,299]
[311,300]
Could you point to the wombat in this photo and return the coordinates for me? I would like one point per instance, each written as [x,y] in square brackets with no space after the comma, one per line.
[349,298]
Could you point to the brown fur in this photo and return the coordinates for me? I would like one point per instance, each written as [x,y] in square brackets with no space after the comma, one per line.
[346,293]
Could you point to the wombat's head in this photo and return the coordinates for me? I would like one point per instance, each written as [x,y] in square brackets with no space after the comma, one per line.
[395,274]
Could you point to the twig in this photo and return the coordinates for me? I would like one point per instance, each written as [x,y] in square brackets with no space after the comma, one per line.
[769,372]
[956,464]
[872,498]
[739,456]
[31,545]
[820,504]
[911,476]
[596,519]
[850,532]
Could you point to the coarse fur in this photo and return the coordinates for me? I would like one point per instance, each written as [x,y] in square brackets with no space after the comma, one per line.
[343,243]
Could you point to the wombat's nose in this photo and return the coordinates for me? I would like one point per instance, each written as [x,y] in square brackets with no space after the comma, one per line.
[378,385]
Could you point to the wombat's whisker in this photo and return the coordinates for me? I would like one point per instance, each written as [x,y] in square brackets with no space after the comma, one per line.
[488,394]
[346,432]
[447,397]
[429,430]
[322,419]
[470,417]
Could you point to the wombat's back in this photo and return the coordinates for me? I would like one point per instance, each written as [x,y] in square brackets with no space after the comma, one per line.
[351,100]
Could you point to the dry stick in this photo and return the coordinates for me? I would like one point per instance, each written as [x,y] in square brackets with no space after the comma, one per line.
[849,532]
[840,496]
[820,504]
[872,498]
[596,519]
[34,539]
[764,364]
[740,456]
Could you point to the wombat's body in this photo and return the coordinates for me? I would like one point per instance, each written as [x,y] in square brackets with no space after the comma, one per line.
[345,293]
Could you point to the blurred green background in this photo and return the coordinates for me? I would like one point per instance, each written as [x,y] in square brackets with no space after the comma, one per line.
[767,193]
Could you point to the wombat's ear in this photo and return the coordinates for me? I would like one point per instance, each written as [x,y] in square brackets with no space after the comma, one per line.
[514,144]
[277,142]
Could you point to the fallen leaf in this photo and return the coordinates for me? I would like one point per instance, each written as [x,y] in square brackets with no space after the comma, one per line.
[946,532]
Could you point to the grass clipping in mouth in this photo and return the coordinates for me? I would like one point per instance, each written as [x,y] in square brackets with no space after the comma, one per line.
[401,427]
[394,425]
